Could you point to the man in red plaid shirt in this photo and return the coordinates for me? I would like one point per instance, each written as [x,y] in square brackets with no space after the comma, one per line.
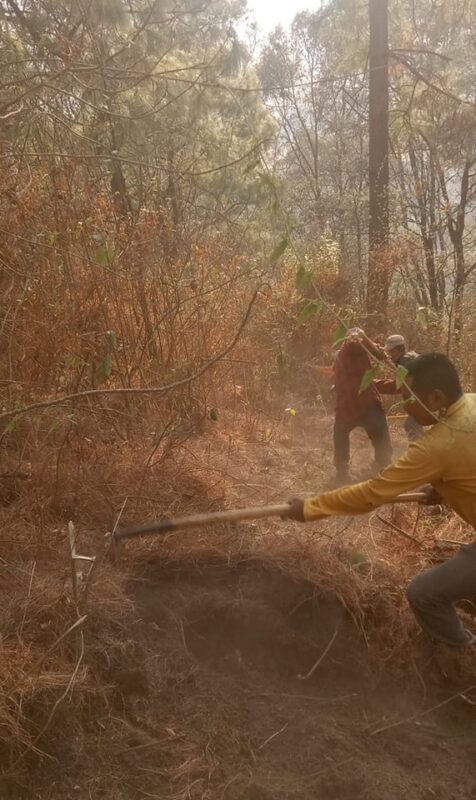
[358,410]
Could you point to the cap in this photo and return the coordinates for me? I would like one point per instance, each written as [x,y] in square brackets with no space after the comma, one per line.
[396,340]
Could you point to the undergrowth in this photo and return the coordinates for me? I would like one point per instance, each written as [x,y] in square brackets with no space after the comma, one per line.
[80,315]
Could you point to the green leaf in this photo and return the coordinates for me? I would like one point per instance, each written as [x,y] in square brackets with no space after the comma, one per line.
[309,311]
[104,255]
[11,426]
[103,372]
[54,426]
[281,362]
[303,278]
[74,361]
[111,339]
[250,167]
[279,250]
[267,180]
[426,314]
[400,404]
[213,414]
[422,317]
[341,333]
[368,378]
[357,558]
[400,376]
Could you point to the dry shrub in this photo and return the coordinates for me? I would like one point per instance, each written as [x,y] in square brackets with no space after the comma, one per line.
[56,678]
[55,658]
[88,480]
[36,664]
[25,684]
[92,300]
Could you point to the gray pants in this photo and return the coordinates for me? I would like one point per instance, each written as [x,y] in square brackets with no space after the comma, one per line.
[374,423]
[432,595]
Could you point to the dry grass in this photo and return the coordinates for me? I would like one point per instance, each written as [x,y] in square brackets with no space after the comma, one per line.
[51,654]
[64,657]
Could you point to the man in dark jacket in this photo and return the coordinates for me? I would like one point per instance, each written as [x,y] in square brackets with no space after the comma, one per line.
[396,349]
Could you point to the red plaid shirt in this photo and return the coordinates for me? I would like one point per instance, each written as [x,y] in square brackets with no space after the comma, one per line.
[350,366]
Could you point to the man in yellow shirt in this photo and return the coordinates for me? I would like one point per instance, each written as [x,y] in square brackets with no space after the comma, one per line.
[445,457]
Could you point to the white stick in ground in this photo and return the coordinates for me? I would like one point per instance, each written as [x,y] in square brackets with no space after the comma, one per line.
[320,659]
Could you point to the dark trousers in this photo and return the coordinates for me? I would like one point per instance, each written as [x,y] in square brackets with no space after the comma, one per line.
[374,423]
[433,593]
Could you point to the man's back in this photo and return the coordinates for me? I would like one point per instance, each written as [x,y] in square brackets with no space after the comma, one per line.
[452,443]
[350,366]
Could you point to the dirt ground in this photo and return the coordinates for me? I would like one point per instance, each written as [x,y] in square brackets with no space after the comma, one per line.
[273,662]
[259,725]
[246,684]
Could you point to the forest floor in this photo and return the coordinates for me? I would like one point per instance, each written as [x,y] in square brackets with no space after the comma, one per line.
[214,697]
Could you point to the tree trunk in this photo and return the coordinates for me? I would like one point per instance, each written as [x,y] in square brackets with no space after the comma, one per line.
[460,281]
[426,234]
[120,195]
[378,270]
[456,225]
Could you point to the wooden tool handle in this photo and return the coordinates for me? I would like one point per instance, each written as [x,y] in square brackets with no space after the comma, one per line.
[235,515]
[410,497]
[196,520]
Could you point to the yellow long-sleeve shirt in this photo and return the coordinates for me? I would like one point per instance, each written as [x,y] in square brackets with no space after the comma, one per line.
[444,456]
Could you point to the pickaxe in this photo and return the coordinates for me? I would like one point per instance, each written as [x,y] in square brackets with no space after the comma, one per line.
[235,515]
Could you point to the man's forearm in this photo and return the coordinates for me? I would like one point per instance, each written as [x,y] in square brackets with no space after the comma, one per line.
[416,467]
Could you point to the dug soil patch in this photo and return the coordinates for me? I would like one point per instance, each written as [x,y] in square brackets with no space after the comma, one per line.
[259,687]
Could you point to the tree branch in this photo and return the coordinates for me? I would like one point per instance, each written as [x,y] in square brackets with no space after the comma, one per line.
[417,74]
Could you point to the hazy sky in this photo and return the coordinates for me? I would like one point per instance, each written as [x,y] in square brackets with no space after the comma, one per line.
[269,13]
